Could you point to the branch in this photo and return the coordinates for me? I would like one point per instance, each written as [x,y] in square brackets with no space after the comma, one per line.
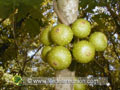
[34,53]
[101,66]
[108,74]
[60,15]
[3,20]
[25,62]
[14,35]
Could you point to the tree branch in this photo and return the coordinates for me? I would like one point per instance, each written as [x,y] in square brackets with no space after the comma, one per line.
[2,20]
[13,29]
[60,16]
[101,66]
[109,75]
[34,53]
[25,62]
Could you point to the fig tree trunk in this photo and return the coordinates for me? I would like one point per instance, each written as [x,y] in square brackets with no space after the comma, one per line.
[67,12]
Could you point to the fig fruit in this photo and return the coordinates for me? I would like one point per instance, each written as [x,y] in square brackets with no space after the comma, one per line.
[79,86]
[44,52]
[81,28]
[83,51]
[99,40]
[59,57]
[45,37]
[61,34]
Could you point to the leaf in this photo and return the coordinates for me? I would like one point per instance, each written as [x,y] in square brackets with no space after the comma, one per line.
[29,8]
[32,2]
[10,53]
[36,13]
[6,8]
[83,3]
[91,6]
[32,27]
[23,10]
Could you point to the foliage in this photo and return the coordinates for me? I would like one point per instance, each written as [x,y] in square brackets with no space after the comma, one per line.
[21,22]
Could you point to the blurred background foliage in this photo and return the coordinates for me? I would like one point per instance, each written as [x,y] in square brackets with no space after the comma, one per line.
[21,22]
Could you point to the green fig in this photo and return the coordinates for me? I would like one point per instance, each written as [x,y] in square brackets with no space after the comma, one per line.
[45,37]
[81,28]
[99,40]
[61,34]
[79,87]
[83,51]
[59,57]
[44,52]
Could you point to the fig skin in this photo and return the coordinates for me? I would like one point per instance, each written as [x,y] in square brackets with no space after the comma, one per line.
[81,28]
[44,52]
[45,36]
[99,40]
[59,58]
[79,87]
[83,51]
[61,34]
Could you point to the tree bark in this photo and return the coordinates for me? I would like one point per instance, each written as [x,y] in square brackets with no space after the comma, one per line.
[67,12]
[61,76]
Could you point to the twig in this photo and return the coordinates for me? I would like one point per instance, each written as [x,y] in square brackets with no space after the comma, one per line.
[101,66]
[25,62]
[60,15]
[2,20]
[34,53]
[13,29]
[108,74]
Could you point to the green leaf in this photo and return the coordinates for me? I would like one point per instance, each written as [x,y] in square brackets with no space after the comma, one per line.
[83,3]
[6,8]
[23,10]
[32,2]
[91,6]
[10,53]
[36,13]
[32,27]
[29,7]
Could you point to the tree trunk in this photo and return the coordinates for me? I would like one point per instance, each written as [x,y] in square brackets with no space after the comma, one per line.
[61,76]
[67,12]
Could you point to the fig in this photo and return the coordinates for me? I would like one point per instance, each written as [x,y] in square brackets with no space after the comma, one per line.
[45,37]
[59,57]
[83,51]
[81,28]
[99,40]
[79,86]
[44,52]
[61,34]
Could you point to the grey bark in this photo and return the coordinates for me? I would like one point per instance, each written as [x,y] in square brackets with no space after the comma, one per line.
[66,10]
[61,76]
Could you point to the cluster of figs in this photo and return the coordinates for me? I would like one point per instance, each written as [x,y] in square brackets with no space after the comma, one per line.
[63,43]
